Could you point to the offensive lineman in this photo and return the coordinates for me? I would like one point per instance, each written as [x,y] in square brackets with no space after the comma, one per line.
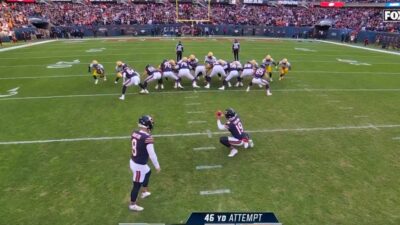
[130,77]
[217,69]
[234,68]
[153,74]
[184,71]
[258,79]
[248,70]
[98,70]
[234,125]
[142,149]
[167,70]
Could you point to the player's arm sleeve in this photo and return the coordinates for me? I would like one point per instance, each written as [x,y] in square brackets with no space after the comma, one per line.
[152,155]
[220,125]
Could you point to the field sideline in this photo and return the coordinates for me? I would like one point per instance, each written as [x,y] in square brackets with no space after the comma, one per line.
[326,141]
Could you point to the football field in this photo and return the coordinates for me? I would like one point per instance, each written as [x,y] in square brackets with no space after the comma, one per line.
[326,142]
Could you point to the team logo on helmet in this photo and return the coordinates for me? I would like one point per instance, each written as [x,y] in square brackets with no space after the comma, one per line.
[146,122]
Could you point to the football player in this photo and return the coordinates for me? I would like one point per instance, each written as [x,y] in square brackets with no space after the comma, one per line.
[98,71]
[233,71]
[234,125]
[184,71]
[258,79]
[130,77]
[248,70]
[167,70]
[217,69]
[142,148]
[209,60]
[152,75]
[118,69]
[199,70]
[269,63]
[284,67]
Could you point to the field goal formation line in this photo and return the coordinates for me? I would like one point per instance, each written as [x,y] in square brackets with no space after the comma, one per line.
[203,3]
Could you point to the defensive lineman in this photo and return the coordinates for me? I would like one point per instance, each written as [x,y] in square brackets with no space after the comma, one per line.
[234,125]
[142,150]
[98,70]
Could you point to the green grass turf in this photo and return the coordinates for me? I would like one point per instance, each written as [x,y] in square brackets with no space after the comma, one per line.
[347,176]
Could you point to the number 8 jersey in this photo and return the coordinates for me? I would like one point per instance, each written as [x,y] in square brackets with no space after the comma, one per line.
[140,140]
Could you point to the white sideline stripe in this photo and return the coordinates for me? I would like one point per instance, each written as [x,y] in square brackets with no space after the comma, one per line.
[369,126]
[208,167]
[203,148]
[205,91]
[296,71]
[360,47]
[374,127]
[196,121]
[25,45]
[195,112]
[215,192]
[191,96]
[356,116]
[396,138]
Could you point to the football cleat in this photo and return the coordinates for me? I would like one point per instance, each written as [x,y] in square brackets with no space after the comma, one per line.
[251,143]
[180,86]
[229,84]
[241,84]
[260,85]
[162,86]
[145,194]
[222,88]
[245,144]
[135,208]
[269,93]
[248,89]
[96,81]
[207,86]
[233,152]
[115,82]
[156,87]
[122,97]
[237,84]
[143,91]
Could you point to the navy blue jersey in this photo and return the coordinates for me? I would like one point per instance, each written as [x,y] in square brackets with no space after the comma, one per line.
[183,65]
[193,63]
[259,73]
[150,70]
[166,66]
[129,73]
[236,128]
[140,140]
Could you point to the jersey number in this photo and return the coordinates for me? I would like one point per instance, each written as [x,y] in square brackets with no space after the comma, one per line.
[239,127]
[134,142]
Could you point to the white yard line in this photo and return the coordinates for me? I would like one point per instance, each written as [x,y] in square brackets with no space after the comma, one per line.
[396,138]
[195,112]
[310,129]
[215,192]
[205,91]
[346,108]
[360,116]
[209,133]
[196,121]
[333,101]
[25,45]
[195,96]
[204,148]
[208,167]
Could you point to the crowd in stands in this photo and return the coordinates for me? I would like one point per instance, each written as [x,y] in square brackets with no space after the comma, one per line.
[66,14]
